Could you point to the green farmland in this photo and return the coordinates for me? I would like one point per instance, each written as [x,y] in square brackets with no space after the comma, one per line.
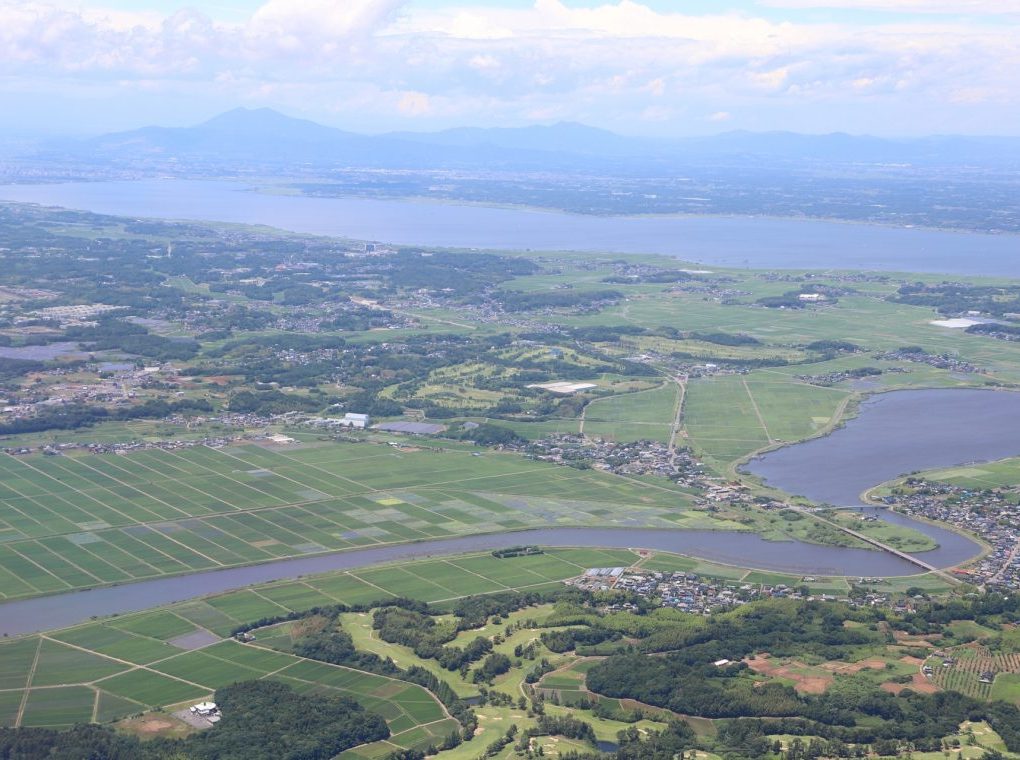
[645,415]
[1002,474]
[103,671]
[124,665]
[83,521]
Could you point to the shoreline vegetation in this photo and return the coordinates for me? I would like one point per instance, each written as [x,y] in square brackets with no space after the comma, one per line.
[287,190]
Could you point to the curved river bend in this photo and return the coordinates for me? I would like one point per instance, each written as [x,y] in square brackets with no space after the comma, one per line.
[61,610]
[895,433]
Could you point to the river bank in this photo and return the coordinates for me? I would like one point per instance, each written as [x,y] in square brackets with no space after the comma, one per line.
[727,548]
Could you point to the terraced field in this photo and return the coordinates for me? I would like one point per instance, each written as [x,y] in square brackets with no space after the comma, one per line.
[88,520]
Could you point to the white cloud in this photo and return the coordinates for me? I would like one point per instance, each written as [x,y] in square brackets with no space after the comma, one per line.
[414,104]
[322,18]
[656,87]
[954,7]
[613,61]
[484,62]
[720,116]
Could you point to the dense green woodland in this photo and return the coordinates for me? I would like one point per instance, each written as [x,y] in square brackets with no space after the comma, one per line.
[659,657]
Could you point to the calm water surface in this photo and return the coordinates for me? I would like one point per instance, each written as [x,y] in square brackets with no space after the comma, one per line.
[730,241]
[48,612]
[895,434]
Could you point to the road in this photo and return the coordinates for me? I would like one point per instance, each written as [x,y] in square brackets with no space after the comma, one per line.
[883,546]
[678,418]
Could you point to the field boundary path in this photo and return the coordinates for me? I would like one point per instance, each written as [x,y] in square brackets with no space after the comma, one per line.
[761,420]
[678,418]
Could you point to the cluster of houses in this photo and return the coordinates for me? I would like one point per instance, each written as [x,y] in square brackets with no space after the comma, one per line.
[832,378]
[918,355]
[684,591]
[121,448]
[989,513]
[620,458]
[690,592]
[122,385]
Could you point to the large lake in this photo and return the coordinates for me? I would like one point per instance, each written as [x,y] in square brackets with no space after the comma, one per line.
[720,241]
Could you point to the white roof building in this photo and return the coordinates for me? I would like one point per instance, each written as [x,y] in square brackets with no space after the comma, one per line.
[355,420]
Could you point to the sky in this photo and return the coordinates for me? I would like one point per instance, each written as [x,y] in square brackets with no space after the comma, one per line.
[642,67]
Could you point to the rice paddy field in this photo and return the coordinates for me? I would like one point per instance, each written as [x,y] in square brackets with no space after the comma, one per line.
[731,416]
[106,670]
[72,522]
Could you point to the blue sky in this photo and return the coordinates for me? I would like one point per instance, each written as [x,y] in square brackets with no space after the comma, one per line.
[656,67]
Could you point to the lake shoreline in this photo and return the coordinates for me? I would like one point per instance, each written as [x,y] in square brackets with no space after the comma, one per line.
[760,242]
[424,199]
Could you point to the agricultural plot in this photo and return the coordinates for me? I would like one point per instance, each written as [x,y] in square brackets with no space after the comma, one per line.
[1002,474]
[107,670]
[84,521]
[567,684]
[633,416]
[731,416]
[70,685]
[973,662]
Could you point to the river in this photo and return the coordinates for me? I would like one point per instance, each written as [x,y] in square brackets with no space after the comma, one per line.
[61,610]
[720,241]
[893,434]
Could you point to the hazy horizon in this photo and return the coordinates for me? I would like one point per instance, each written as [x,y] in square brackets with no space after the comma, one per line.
[63,131]
[900,68]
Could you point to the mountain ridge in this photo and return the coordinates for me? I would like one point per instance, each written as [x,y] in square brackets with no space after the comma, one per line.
[265,134]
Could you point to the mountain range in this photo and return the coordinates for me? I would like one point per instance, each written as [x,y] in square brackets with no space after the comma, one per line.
[265,137]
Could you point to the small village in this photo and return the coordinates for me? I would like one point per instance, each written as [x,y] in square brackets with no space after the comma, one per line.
[620,458]
[989,513]
[697,594]
[918,355]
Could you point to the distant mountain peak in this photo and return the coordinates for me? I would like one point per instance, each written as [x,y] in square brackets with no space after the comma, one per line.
[257,118]
[264,136]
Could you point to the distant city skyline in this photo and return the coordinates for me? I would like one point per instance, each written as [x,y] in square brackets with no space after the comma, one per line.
[640,67]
